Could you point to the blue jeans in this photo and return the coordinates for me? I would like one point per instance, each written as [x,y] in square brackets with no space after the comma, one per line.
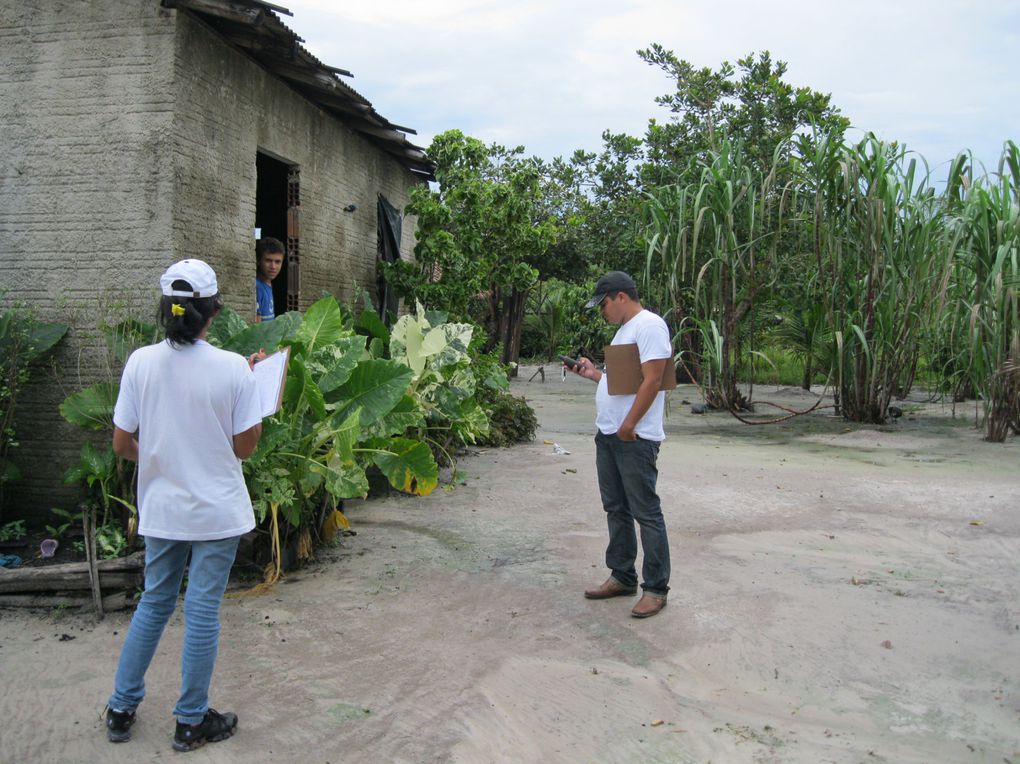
[627,475]
[208,571]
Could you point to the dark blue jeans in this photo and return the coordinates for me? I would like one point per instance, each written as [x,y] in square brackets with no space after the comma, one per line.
[627,475]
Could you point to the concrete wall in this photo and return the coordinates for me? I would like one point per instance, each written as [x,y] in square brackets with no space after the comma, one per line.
[129,140]
[228,109]
[86,108]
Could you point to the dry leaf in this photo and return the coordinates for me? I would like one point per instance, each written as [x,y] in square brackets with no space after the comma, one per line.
[336,521]
[887,645]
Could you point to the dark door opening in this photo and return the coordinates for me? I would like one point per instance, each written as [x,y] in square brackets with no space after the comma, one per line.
[277,204]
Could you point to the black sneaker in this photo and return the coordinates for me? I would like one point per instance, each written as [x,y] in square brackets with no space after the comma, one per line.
[118,725]
[213,728]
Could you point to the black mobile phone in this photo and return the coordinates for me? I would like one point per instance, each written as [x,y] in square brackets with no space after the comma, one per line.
[571,363]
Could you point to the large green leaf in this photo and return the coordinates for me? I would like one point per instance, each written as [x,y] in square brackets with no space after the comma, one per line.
[369,323]
[274,435]
[267,335]
[323,324]
[446,401]
[434,341]
[227,324]
[345,479]
[310,481]
[472,421]
[302,388]
[455,348]
[341,434]
[405,415]
[462,383]
[93,464]
[435,317]
[406,342]
[343,355]
[42,338]
[23,339]
[91,407]
[375,386]
[407,464]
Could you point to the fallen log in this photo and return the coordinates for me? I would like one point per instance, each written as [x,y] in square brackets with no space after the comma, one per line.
[120,573]
[115,601]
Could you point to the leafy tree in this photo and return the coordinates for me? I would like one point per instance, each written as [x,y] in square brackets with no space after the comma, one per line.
[596,201]
[748,103]
[718,116]
[480,234]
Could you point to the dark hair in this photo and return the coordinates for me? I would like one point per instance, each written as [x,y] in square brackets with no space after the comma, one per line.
[269,245]
[184,329]
[631,293]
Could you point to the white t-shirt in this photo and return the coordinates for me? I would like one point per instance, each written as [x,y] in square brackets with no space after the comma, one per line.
[651,335]
[186,404]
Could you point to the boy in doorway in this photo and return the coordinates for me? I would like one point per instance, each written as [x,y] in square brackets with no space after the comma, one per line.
[268,262]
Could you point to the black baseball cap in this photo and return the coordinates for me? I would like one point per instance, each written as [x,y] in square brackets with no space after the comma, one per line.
[614,281]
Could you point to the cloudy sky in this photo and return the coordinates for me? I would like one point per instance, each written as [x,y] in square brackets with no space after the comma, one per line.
[938,75]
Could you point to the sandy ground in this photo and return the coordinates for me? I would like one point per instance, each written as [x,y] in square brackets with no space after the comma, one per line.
[840,594]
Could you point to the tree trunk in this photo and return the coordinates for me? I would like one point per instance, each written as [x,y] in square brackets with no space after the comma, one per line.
[809,372]
[511,321]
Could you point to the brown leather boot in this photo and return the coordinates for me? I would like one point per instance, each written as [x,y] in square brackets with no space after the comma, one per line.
[649,605]
[610,588]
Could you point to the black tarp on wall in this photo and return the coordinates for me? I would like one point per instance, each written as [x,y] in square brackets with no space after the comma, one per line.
[390,221]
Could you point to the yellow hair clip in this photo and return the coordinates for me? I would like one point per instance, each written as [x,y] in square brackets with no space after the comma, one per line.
[177,310]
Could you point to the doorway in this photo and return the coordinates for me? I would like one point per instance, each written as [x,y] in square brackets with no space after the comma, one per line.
[277,212]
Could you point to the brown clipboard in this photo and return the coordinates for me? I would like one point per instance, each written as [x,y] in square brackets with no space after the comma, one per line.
[623,370]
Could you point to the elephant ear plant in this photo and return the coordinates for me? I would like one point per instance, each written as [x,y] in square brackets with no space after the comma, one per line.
[346,411]
[442,383]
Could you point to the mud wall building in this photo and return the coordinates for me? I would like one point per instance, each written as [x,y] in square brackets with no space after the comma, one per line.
[139,132]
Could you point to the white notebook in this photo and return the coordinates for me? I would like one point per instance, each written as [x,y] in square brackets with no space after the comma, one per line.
[270,376]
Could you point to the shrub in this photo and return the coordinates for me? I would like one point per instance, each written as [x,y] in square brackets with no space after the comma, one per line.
[511,420]
[23,341]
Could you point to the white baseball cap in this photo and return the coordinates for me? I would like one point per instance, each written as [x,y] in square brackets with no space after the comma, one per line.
[196,273]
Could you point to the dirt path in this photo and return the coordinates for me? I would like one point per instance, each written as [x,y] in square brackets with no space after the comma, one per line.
[839,595]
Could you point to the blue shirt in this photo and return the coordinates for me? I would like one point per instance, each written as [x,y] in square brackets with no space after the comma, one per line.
[264,296]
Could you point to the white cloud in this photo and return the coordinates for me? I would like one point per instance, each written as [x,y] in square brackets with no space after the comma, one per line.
[938,75]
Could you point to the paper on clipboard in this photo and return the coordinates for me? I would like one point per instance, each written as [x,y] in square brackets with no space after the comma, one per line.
[623,370]
[270,376]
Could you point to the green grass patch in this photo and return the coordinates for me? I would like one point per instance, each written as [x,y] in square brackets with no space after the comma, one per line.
[779,366]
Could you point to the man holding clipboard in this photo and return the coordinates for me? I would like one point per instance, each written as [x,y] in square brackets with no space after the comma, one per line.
[629,405]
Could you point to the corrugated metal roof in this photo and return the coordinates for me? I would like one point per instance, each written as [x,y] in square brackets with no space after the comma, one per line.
[254,27]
